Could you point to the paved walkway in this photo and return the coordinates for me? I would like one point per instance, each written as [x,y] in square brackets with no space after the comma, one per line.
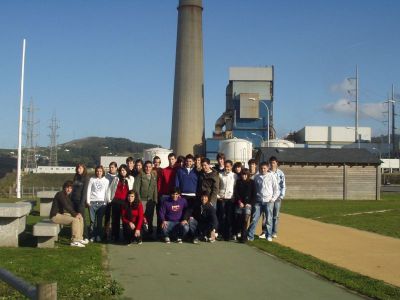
[366,253]
[223,270]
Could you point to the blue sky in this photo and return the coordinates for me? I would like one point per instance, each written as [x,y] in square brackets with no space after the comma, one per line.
[106,68]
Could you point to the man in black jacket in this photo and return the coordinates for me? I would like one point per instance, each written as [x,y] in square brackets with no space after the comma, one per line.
[208,181]
[63,213]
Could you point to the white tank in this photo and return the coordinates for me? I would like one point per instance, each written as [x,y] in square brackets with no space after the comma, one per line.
[149,154]
[236,150]
[276,143]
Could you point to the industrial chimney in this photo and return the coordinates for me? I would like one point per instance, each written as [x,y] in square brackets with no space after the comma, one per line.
[187,135]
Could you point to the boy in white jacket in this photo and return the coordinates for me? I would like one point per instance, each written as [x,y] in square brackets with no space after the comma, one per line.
[267,191]
[225,201]
[96,202]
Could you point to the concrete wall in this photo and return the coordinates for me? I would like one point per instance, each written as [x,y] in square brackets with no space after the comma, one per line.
[332,182]
[332,134]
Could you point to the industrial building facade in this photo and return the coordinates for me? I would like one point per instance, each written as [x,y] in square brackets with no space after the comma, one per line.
[347,174]
[249,108]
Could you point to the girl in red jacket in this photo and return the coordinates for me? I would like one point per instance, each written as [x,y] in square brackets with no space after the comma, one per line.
[132,218]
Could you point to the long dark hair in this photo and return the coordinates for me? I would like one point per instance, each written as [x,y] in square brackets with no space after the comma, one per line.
[78,176]
[133,205]
[125,167]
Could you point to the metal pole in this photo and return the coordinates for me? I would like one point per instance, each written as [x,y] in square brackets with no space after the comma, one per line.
[266,106]
[21,104]
[356,133]
[388,128]
[393,124]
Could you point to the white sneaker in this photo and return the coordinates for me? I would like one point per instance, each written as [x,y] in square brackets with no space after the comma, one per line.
[179,241]
[84,241]
[262,236]
[269,239]
[167,240]
[274,235]
[98,239]
[91,240]
[77,244]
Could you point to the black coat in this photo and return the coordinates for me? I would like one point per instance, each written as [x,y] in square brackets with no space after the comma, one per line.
[245,191]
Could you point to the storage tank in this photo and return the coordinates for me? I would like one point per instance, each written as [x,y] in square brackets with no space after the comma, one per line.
[236,150]
[149,154]
[276,143]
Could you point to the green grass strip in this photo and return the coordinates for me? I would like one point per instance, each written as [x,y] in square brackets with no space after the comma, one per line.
[362,284]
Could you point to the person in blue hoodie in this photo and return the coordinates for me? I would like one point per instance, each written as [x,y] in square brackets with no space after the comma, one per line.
[186,180]
[172,216]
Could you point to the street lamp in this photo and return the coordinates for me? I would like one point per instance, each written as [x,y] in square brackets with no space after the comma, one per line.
[260,136]
[267,108]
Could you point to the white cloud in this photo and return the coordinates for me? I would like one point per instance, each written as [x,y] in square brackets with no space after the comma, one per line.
[347,86]
[346,107]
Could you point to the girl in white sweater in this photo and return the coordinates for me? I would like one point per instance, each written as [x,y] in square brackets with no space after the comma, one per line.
[96,201]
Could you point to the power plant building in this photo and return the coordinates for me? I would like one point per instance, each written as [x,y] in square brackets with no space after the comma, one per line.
[249,108]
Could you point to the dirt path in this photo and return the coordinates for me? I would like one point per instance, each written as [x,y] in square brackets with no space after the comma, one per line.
[363,252]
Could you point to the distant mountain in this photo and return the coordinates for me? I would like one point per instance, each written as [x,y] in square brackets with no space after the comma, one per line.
[88,150]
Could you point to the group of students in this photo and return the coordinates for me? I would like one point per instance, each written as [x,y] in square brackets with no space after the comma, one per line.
[193,200]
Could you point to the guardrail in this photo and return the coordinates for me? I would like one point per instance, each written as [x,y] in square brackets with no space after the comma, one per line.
[42,291]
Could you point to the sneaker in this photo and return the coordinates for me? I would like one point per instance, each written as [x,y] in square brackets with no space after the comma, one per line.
[84,241]
[262,236]
[77,244]
[179,241]
[234,238]
[269,239]
[196,241]
[275,236]
[91,240]
[139,242]
[98,239]
[167,240]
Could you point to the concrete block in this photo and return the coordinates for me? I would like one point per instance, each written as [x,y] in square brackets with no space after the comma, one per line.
[46,233]
[46,200]
[46,229]
[46,241]
[14,210]
[12,222]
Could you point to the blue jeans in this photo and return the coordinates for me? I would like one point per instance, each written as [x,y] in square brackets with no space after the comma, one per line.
[96,212]
[275,216]
[267,209]
[175,230]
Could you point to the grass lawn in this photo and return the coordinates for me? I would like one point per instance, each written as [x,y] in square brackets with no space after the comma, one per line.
[382,217]
[79,273]
[362,284]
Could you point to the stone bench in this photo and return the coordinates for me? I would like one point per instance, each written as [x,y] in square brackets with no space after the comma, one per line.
[46,232]
[12,222]
[46,200]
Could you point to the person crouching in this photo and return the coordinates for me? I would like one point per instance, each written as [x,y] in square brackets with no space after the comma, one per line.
[132,218]
[172,212]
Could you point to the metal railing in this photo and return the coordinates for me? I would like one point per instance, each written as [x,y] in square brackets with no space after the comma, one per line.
[42,291]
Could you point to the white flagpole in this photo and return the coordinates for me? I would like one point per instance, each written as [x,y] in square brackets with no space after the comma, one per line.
[21,104]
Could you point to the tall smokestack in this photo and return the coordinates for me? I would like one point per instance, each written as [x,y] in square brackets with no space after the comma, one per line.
[187,134]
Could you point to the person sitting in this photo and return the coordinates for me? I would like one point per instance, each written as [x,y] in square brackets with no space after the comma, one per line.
[204,222]
[132,218]
[63,213]
[172,213]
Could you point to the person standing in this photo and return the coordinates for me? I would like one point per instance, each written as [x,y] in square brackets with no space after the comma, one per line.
[132,218]
[172,215]
[252,168]
[208,181]
[244,199]
[138,167]
[96,201]
[197,163]
[225,202]
[220,165]
[62,212]
[131,165]
[78,194]
[117,193]
[267,191]
[166,182]
[186,180]
[112,172]
[280,177]
[146,187]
